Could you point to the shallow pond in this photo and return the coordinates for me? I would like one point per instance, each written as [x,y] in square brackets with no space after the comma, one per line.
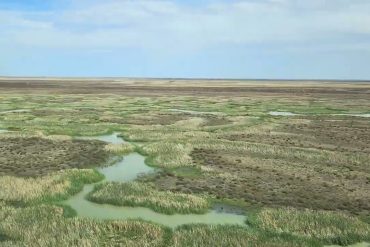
[354,115]
[112,138]
[282,113]
[128,169]
[15,111]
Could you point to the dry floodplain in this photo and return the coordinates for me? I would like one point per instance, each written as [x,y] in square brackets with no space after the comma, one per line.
[184,162]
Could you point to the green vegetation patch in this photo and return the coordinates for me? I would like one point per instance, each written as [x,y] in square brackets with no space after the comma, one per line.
[331,227]
[209,236]
[45,225]
[140,194]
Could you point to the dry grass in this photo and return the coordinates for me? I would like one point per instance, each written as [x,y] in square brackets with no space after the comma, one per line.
[33,155]
[59,184]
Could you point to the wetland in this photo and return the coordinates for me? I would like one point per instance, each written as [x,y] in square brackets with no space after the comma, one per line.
[186,166]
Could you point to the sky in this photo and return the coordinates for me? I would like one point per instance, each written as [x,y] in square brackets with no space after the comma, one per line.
[251,39]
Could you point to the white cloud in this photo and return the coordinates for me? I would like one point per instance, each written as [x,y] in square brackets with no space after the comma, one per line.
[161,24]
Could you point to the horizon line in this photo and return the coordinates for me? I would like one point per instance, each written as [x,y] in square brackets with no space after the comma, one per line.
[185,78]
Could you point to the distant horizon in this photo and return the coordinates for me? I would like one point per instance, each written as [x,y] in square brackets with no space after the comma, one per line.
[183,78]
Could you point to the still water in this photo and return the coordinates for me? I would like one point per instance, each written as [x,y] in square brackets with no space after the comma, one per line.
[128,169]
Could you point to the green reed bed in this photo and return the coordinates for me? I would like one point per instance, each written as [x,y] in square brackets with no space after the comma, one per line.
[144,195]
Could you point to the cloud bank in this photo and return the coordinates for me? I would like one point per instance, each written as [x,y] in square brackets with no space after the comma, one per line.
[104,24]
[175,27]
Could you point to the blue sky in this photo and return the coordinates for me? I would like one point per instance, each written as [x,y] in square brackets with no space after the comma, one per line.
[307,39]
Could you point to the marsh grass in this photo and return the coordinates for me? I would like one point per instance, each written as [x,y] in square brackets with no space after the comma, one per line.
[144,195]
[330,227]
[209,236]
[119,149]
[45,225]
[169,154]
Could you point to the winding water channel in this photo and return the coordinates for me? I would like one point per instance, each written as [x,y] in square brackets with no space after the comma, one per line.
[128,169]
